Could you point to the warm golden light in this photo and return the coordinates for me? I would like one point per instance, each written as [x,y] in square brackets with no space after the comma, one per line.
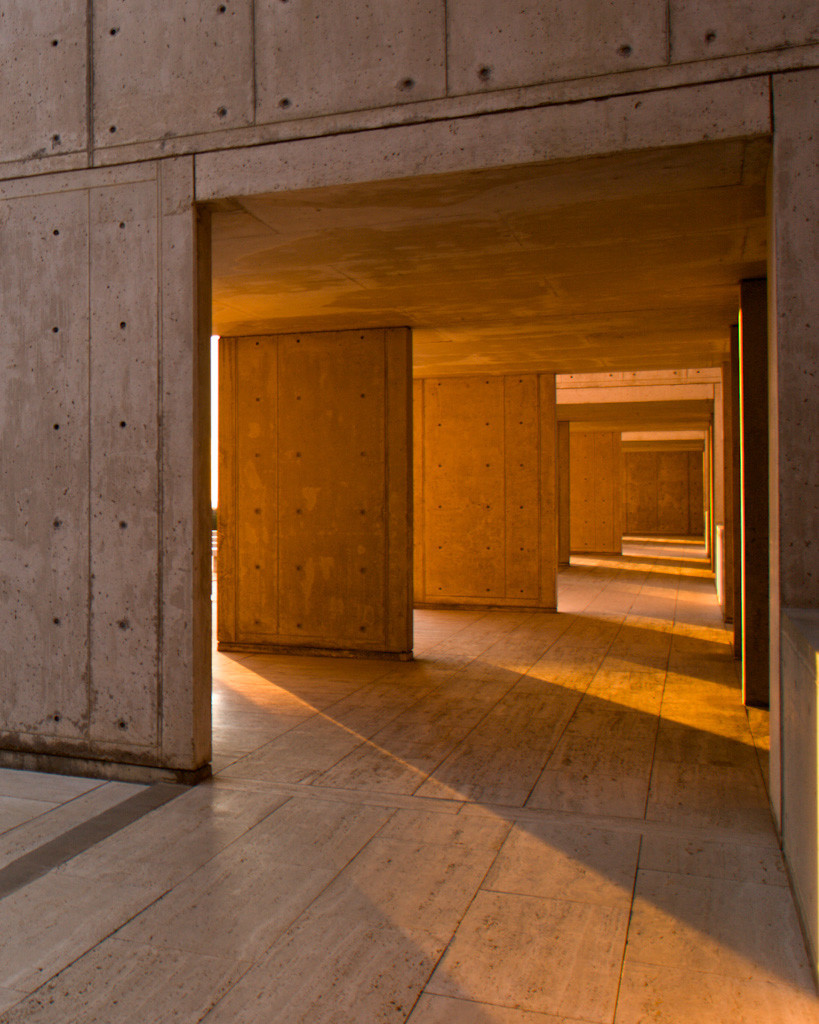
[214,420]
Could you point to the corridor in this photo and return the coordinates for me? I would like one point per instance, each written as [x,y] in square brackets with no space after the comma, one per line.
[543,819]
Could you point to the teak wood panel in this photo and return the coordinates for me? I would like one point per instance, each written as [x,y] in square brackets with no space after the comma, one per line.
[596,506]
[485,491]
[315,513]
[664,493]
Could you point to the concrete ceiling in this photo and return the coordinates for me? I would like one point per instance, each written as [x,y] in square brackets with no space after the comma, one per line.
[626,262]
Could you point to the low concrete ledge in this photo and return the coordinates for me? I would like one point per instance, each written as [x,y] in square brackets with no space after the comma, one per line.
[800,763]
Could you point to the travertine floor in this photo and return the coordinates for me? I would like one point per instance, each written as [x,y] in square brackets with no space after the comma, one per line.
[544,818]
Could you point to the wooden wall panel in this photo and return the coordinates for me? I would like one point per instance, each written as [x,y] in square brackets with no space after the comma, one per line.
[596,491]
[547,402]
[418,536]
[464,513]
[257,587]
[581,456]
[663,492]
[521,436]
[696,494]
[485,495]
[315,499]
[331,489]
[640,492]
[672,493]
[564,490]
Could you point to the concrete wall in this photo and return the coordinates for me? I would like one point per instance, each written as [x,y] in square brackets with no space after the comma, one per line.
[596,492]
[401,89]
[663,492]
[103,534]
[800,738]
[486,491]
[315,492]
[235,73]
[793,354]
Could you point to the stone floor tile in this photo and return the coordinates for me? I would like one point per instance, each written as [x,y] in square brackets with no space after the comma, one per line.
[445,1010]
[583,790]
[567,862]
[552,956]
[640,690]
[8,997]
[565,665]
[42,786]
[674,995]
[129,984]
[247,895]
[365,947]
[704,743]
[448,829]
[16,810]
[736,929]
[58,819]
[703,858]
[168,844]
[57,919]
[706,795]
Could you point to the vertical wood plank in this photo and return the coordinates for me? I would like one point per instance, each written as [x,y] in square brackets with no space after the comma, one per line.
[696,494]
[332,508]
[226,568]
[398,488]
[618,488]
[605,470]
[256,470]
[581,449]
[564,485]
[419,498]
[522,491]
[464,486]
[548,490]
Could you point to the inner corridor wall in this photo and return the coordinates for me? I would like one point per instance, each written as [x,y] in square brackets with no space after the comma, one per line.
[314,492]
[664,492]
[486,491]
[596,490]
[104,601]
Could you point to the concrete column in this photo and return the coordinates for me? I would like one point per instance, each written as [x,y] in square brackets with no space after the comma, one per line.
[753,354]
[315,502]
[597,491]
[486,498]
[718,455]
[736,489]
[563,495]
[794,487]
[730,527]
[104,607]
[708,492]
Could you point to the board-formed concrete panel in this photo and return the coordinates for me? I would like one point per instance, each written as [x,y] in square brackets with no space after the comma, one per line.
[485,491]
[124,473]
[43,61]
[715,28]
[170,69]
[596,506]
[315,509]
[316,57]
[104,623]
[663,490]
[44,613]
[497,45]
